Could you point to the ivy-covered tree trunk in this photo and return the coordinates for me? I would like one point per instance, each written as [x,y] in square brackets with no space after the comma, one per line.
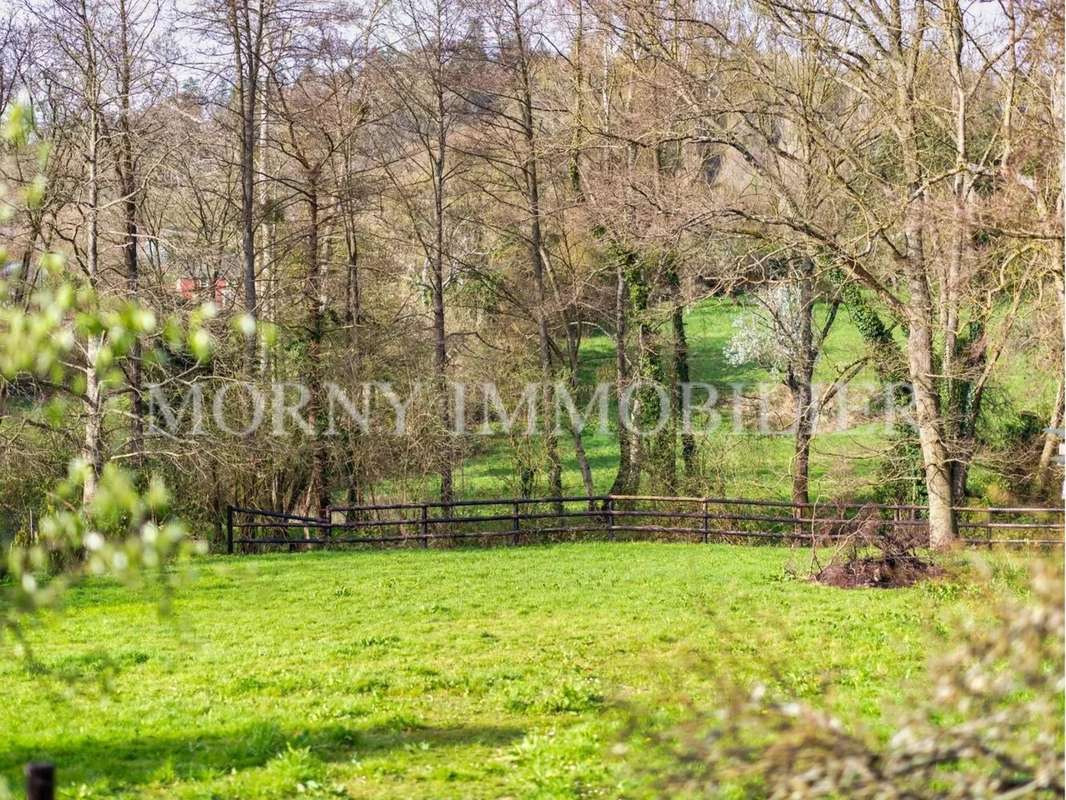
[902,473]
[964,393]
[651,448]
[623,483]
[682,373]
[318,488]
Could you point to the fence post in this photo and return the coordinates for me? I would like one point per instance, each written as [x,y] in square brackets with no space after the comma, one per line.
[516,522]
[229,530]
[329,522]
[706,522]
[424,524]
[40,781]
[610,518]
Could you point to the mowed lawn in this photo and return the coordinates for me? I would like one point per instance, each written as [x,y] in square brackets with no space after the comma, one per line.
[460,673]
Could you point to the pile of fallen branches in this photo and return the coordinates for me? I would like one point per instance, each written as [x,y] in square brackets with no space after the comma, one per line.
[868,551]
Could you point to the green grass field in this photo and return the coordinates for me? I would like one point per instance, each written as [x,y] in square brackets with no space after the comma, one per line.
[444,673]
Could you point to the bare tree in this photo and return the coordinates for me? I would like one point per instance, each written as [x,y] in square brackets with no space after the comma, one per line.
[873,101]
[423,70]
[76,70]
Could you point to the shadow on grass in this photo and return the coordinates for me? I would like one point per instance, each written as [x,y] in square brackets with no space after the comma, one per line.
[131,761]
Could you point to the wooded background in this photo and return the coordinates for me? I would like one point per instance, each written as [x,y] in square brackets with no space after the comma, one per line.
[517,191]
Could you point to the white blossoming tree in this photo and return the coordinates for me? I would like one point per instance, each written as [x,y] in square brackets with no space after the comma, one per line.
[778,334]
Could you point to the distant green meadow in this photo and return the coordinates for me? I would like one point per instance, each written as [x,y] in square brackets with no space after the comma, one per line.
[465,673]
[844,463]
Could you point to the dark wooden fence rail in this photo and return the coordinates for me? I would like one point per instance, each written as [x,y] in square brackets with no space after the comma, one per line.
[515,520]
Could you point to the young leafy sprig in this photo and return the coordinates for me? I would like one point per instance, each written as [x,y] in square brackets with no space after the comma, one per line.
[122,530]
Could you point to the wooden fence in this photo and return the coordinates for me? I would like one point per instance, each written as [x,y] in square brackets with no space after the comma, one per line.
[703,519]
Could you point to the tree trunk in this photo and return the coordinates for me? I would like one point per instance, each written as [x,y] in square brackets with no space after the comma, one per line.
[532,187]
[960,234]
[801,458]
[801,374]
[440,342]
[318,489]
[942,523]
[682,374]
[1051,440]
[960,415]
[92,453]
[572,350]
[574,159]
[354,320]
[251,304]
[128,187]
[655,456]
[353,311]
[1058,418]
[267,278]
[247,43]
[622,480]
[935,457]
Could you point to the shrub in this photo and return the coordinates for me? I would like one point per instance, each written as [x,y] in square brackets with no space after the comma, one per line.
[991,728]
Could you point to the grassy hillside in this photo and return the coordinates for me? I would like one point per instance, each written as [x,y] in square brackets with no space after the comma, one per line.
[443,674]
[752,464]
[746,464]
